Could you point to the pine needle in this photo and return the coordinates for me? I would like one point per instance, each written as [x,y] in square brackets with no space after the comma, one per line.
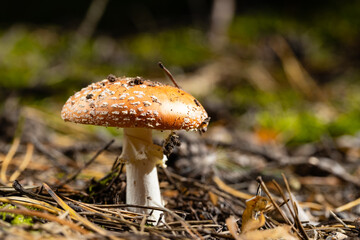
[24,163]
[8,159]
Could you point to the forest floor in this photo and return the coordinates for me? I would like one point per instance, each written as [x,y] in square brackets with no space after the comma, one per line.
[61,181]
[280,159]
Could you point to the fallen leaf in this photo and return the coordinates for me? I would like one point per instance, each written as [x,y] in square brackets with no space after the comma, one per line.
[171,193]
[266,135]
[278,233]
[213,198]
[232,226]
[253,216]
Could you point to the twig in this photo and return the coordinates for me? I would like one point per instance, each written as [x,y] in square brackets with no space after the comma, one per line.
[167,72]
[77,172]
[338,219]
[131,206]
[17,186]
[52,155]
[114,179]
[286,200]
[266,190]
[72,212]
[295,207]
[92,208]
[193,232]
[207,188]
[29,202]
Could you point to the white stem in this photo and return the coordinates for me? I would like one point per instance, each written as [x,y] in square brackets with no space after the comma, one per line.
[142,184]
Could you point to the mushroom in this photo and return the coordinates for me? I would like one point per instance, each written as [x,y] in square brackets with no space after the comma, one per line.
[138,106]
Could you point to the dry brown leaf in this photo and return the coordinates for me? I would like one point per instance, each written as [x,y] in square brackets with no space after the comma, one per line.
[213,198]
[171,193]
[266,135]
[232,226]
[253,216]
[278,233]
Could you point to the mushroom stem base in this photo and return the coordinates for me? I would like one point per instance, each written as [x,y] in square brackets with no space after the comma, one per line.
[142,184]
[143,189]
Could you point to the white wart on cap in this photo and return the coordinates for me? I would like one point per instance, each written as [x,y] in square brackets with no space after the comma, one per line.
[135,103]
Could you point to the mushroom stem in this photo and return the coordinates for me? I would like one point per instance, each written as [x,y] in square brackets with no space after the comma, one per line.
[141,157]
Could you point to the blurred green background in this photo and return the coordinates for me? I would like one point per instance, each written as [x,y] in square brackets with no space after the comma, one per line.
[286,71]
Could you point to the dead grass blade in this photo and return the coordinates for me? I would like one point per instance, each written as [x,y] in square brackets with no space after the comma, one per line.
[84,221]
[8,159]
[28,202]
[230,190]
[348,206]
[46,216]
[24,163]
[193,232]
[295,208]
[287,220]
[103,208]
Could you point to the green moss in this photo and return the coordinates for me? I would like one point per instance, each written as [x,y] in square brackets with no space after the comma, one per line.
[180,47]
[346,123]
[97,186]
[21,219]
[295,127]
[17,219]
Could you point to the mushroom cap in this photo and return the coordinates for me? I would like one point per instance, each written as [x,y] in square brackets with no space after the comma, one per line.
[135,103]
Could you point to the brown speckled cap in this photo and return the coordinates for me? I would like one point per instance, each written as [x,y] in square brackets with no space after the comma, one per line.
[135,102]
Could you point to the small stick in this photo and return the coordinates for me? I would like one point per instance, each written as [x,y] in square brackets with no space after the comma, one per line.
[267,192]
[74,214]
[258,190]
[338,219]
[114,179]
[71,178]
[167,72]
[188,228]
[17,186]
[295,207]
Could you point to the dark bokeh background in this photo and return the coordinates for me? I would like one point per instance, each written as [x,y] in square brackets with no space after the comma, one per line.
[122,18]
[279,79]
[285,67]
